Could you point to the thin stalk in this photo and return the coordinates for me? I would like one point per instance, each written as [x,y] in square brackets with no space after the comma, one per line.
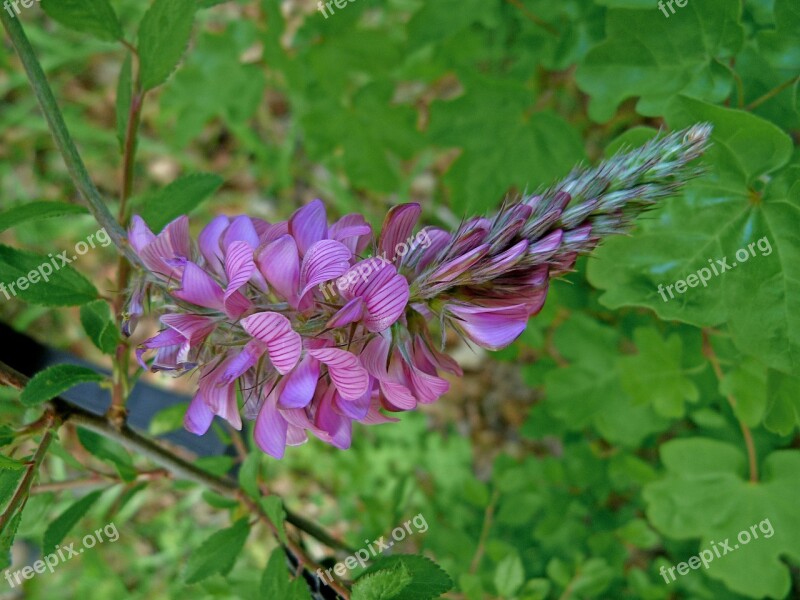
[66,146]
[772,93]
[708,351]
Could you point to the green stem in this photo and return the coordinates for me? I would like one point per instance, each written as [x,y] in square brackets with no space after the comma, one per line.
[772,93]
[77,170]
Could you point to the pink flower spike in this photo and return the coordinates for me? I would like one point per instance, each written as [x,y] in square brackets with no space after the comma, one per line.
[284,345]
[345,370]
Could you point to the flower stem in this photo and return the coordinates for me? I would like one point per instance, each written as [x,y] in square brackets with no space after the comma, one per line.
[55,120]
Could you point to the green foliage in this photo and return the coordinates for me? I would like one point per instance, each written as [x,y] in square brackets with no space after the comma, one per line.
[95,17]
[33,211]
[56,380]
[58,529]
[163,37]
[275,582]
[427,579]
[218,553]
[99,326]
[180,197]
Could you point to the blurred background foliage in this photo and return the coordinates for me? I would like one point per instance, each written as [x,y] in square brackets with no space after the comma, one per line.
[608,441]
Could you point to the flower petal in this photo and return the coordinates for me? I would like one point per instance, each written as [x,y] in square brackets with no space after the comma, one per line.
[397,228]
[284,344]
[197,287]
[279,262]
[241,229]
[198,417]
[325,260]
[346,371]
[270,430]
[209,242]
[309,225]
[490,327]
[299,385]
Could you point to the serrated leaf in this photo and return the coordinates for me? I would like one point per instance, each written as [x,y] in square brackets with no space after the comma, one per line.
[218,553]
[163,38]
[9,464]
[51,382]
[95,17]
[179,198]
[63,286]
[273,506]
[63,524]
[108,451]
[385,584]
[33,211]
[428,580]
[99,326]
[276,583]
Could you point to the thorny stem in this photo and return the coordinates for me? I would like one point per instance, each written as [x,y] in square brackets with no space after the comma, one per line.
[708,351]
[77,170]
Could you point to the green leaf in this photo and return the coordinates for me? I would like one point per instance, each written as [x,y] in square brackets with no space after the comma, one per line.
[33,211]
[747,382]
[509,575]
[7,539]
[109,451]
[168,419]
[9,464]
[179,198]
[99,326]
[735,208]
[275,581]
[163,38]
[273,506]
[218,553]
[654,58]
[63,524]
[783,410]
[249,473]
[705,496]
[656,375]
[95,17]
[385,584]
[428,580]
[35,279]
[51,382]
[496,109]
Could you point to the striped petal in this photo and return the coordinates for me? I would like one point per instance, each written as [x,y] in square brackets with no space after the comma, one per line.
[397,228]
[325,260]
[338,427]
[309,225]
[197,287]
[279,262]
[490,327]
[271,428]
[346,371]
[299,385]
[198,417]
[241,229]
[209,242]
[283,343]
